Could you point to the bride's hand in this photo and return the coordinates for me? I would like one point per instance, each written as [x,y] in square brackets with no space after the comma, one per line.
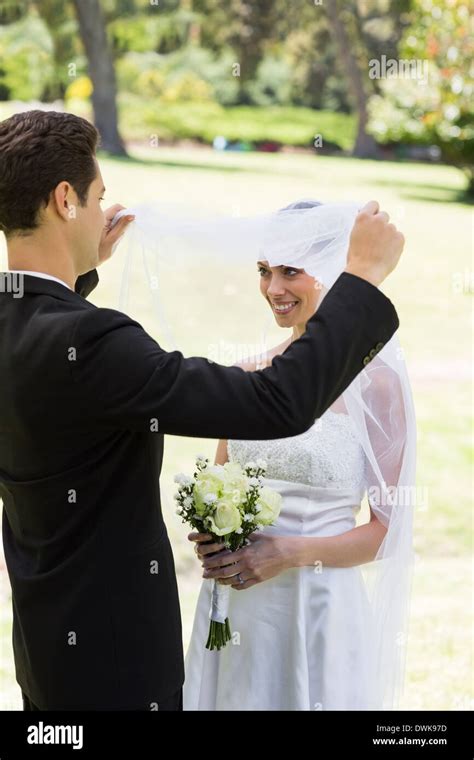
[265,557]
[206,545]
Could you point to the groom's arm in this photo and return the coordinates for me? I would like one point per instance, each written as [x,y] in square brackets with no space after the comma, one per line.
[86,283]
[126,380]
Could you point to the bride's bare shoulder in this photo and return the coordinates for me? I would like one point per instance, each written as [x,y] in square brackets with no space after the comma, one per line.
[253,364]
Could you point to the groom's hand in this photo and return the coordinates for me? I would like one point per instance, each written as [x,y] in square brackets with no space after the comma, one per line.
[375,245]
[111,235]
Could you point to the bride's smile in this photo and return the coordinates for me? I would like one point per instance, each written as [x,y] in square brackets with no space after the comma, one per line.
[291,293]
[284,308]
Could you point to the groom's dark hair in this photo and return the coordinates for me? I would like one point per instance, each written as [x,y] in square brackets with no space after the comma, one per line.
[38,150]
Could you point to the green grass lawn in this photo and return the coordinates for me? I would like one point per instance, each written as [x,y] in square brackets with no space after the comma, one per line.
[287,125]
[206,303]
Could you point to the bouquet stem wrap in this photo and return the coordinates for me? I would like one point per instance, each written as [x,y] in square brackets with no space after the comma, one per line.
[219,629]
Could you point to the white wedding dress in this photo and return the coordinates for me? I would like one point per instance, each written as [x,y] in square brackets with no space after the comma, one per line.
[298,639]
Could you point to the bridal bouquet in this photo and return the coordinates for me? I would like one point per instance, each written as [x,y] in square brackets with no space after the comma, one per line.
[230,502]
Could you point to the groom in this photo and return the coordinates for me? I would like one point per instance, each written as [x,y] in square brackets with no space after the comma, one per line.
[86,397]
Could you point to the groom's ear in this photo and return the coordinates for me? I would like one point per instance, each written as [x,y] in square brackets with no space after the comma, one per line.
[63,201]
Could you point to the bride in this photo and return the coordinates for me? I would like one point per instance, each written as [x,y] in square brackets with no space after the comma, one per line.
[318,604]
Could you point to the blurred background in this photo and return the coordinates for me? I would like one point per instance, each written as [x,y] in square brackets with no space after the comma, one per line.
[242,107]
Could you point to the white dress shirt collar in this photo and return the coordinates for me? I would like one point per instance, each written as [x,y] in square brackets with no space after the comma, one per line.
[42,276]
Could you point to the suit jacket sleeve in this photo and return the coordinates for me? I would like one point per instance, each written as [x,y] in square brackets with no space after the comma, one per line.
[125,380]
[86,283]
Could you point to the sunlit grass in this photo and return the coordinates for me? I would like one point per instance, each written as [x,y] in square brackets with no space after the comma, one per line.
[287,125]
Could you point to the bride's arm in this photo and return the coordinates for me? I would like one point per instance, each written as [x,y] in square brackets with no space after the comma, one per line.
[267,556]
[387,432]
[222,455]
[354,547]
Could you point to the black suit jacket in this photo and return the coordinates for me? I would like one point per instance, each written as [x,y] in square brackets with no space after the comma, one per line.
[85,399]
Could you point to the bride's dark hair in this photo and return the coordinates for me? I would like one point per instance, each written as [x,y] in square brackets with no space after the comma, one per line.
[304,203]
[38,150]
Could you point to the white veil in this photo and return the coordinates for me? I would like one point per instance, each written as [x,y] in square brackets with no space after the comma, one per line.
[315,237]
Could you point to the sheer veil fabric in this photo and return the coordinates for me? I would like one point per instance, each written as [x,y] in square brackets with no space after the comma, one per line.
[315,237]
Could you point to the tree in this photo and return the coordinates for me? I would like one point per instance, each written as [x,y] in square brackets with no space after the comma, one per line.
[248,27]
[60,22]
[365,145]
[102,73]
[438,110]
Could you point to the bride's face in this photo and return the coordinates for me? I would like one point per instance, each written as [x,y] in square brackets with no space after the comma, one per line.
[292,294]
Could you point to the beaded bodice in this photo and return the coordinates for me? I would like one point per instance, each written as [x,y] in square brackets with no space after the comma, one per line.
[327,455]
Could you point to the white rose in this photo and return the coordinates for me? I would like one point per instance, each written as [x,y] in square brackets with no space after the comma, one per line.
[268,506]
[235,482]
[225,518]
[233,469]
[207,483]
[217,471]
